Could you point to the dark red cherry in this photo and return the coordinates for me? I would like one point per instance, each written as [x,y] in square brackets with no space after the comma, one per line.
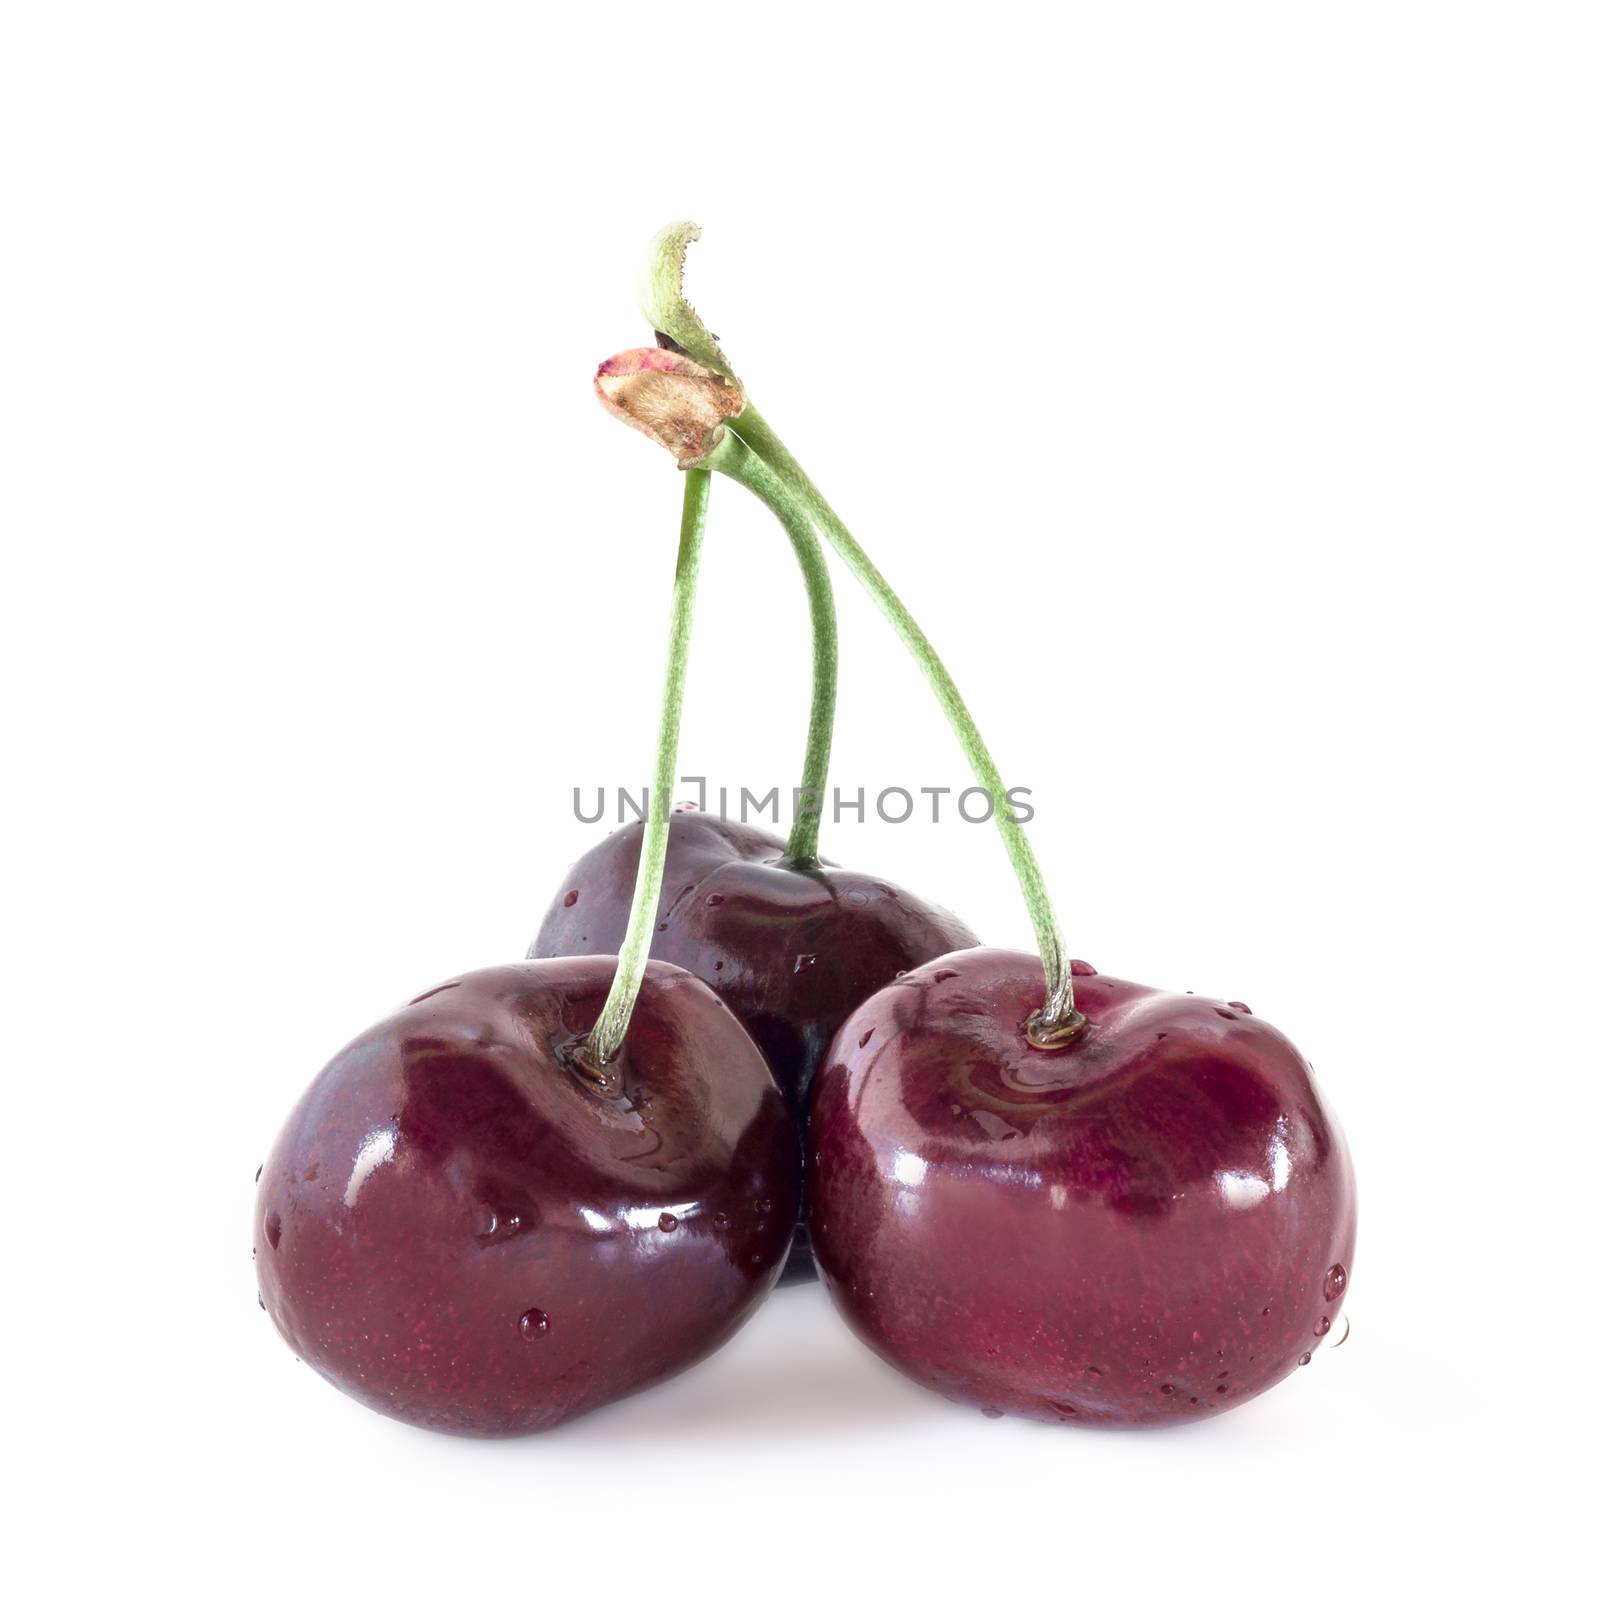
[1148,1225]
[793,951]
[458,1229]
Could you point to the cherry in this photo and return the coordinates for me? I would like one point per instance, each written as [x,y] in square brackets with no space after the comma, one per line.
[792,950]
[468,1225]
[1152,1223]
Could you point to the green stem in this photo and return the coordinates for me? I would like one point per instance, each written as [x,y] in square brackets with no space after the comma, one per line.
[801,850]
[753,455]
[599,1051]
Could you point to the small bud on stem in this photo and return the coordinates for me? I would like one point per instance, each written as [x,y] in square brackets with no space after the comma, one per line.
[674,400]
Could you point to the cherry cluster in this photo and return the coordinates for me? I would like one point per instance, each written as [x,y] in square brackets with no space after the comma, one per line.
[727,1062]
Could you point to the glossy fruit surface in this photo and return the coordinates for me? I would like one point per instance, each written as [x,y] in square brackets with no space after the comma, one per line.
[1151,1225]
[455,1228]
[792,951]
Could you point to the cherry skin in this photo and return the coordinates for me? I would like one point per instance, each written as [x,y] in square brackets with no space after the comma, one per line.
[1150,1225]
[458,1228]
[793,951]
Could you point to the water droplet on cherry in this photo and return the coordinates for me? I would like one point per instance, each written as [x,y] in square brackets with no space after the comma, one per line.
[720,1220]
[943,973]
[716,899]
[667,1223]
[1169,1388]
[259,1171]
[570,898]
[861,1043]
[802,962]
[1082,969]
[534,1324]
[274,1228]
[992,1412]
[1239,1005]
[1305,1360]
[1322,1326]
[1333,1284]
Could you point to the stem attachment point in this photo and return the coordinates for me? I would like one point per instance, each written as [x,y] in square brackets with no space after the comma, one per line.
[604,1078]
[1046,1035]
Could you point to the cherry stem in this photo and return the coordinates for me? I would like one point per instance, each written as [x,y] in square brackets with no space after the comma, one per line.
[801,850]
[600,1049]
[751,454]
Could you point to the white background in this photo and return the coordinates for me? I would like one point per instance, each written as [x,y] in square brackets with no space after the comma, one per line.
[1219,385]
